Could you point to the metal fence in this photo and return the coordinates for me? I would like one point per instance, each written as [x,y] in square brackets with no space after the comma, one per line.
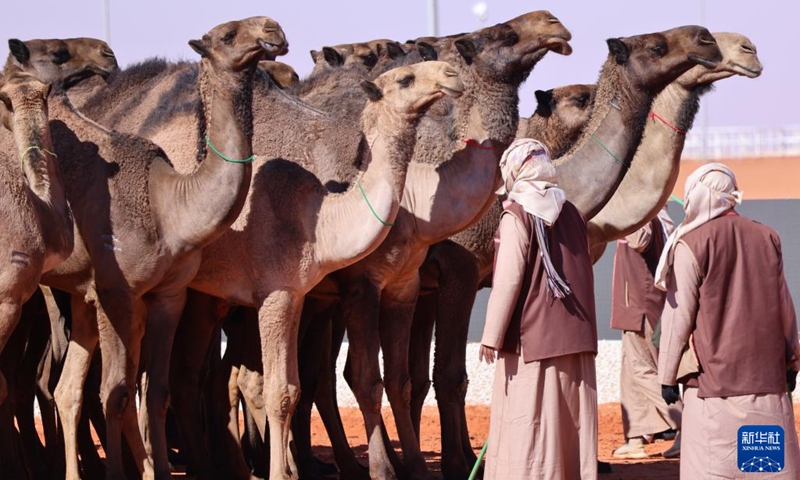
[742,142]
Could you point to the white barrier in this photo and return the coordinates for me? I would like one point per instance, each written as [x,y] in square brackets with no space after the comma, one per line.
[717,143]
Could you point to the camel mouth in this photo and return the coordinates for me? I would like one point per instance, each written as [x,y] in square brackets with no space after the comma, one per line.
[703,61]
[557,43]
[274,49]
[746,71]
[451,91]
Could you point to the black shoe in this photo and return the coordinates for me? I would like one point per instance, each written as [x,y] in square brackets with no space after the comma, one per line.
[604,467]
[665,435]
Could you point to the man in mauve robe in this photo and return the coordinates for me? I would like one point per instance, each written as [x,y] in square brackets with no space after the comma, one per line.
[635,309]
[725,285]
[541,319]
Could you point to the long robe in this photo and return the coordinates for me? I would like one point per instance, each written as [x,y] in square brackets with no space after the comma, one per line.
[544,413]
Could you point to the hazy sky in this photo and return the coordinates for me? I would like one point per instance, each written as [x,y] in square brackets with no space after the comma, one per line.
[145,28]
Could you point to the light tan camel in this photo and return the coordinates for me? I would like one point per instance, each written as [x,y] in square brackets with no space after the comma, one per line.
[140,227]
[36,220]
[654,169]
[282,74]
[366,55]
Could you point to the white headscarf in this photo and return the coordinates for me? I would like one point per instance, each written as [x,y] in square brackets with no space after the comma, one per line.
[529,178]
[711,191]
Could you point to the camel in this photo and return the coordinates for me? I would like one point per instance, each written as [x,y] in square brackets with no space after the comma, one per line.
[366,55]
[37,222]
[654,169]
[139,230]
[281,74]
[37,237]
[67,61]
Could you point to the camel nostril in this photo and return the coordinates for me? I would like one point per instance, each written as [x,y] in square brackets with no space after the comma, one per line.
[748,49]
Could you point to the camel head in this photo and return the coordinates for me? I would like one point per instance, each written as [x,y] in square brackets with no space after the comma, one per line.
[654,60]
[412,88]
[281,74]
[63,61]
[739,57]
[23,111]
[510,50]
[360,54]
[239,45]
[568,106]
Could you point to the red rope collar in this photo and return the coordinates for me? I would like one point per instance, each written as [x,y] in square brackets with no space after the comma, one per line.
[474,143]
[654,116]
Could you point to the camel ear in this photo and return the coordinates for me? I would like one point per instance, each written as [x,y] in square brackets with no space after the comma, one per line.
[314,55]
[334,58]
[427,52]
[618,49]
[394,50]
[373,91]
[467,49]
[544,102]
[19,50]
[199,47]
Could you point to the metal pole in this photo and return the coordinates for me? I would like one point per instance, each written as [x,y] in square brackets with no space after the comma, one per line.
[433,19]
[705,102]
[106,22]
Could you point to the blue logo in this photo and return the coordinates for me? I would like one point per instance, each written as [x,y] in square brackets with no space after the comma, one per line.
[761,448]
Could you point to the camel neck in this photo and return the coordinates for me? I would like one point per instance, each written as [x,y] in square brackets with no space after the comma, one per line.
[196,209]
[654,169]
[395,134]
[555,139]
[606,148]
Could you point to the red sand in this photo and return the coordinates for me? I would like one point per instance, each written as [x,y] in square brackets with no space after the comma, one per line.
[759,178]
[610,427]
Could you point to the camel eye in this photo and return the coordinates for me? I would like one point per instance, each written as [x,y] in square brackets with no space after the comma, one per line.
[581,101]
[406,81]
[659,50]
[60,57]
[229,37]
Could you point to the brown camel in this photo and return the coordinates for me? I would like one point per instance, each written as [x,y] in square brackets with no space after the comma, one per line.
[140,227]
[282,74]
[366,55]
[654,169]
[37,236]
[37,223]
[65,61]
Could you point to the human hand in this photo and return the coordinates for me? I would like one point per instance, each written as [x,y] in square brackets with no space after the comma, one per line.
[487,354]
[670,393]
[791,379]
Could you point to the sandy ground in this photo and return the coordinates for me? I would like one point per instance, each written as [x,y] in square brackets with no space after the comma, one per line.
[610,427]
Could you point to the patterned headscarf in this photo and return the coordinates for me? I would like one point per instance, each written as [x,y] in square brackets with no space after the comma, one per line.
[529,179]
[711,191]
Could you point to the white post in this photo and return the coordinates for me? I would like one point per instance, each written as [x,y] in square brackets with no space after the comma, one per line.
[106,22]
[433,19]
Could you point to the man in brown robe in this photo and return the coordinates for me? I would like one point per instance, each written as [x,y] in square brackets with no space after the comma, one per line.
[725,285]
[541,319]
[635,309]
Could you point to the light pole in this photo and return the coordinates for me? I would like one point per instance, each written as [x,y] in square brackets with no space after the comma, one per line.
[106,22]
[705,101]
[433,19]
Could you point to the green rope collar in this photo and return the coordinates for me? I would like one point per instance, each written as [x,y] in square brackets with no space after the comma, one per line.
[32,147]
[608,151]
[231,160]
[358,182]
[675,198]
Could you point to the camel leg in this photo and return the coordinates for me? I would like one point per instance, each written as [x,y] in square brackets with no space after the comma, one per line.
[360,307]
[327,405]
[458,283]
[69,392]
[192,341]
[397,314]
[35,314]
[254,446]
[420,355]
[278,322]
[10,313]
[251,386]
[121,321]
[163,314]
